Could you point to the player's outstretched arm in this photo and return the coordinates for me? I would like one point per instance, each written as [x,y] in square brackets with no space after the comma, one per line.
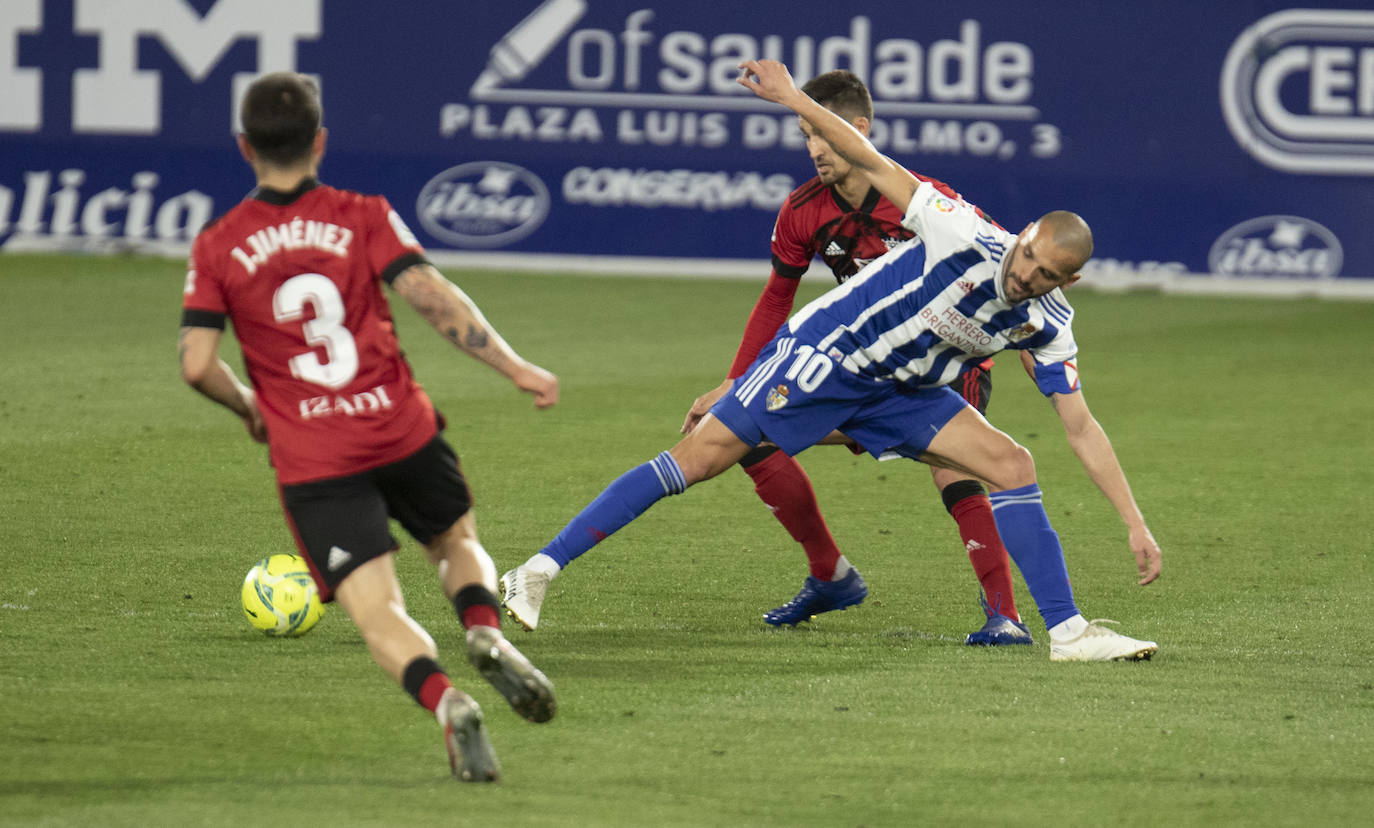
[203,370]
[771,81]
[1089,441]
[449,310]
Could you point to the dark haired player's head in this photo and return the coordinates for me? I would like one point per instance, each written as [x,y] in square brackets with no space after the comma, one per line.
[841,92]
[281,116]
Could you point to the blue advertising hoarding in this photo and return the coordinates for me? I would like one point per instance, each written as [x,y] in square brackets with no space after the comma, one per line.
[1210,146]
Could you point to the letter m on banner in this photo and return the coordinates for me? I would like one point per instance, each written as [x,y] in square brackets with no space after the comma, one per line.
[119,97]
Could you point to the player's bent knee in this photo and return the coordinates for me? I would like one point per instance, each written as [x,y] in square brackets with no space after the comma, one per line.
[1017,467]
[696,467]
[707,451]
[460,537]
[1009,465]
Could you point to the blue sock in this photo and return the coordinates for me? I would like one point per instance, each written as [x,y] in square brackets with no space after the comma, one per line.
[627,498]
[1034,545]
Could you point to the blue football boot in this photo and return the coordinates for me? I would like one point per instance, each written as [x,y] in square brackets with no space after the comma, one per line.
[998,631]
[817,597]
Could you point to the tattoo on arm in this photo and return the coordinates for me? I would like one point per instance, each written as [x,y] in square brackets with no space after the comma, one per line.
[450,312]
[476,338]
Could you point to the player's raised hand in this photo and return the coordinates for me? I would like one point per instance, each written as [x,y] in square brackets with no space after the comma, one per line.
[532,379]
[1148,559]
[703,404]
[768,79]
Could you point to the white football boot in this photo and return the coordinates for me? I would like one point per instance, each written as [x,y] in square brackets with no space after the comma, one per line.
[523,591]
[1098,643]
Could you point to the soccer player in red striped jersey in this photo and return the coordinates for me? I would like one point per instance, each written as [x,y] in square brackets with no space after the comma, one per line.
[840,218]
[298,267]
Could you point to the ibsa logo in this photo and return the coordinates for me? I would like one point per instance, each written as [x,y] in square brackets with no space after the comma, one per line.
[483,204]
[1279,246]
[1297,91]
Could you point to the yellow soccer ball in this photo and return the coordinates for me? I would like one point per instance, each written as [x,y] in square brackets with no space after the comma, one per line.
[279,596]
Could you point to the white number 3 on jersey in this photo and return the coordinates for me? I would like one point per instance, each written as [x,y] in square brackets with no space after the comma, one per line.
[326,330]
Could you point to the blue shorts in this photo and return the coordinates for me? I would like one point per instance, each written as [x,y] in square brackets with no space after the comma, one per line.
[794,396]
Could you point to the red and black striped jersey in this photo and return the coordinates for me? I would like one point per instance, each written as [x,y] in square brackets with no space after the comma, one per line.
[816,221]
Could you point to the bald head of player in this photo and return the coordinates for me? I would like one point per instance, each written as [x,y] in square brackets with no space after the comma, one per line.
[281,117]
[1048,254]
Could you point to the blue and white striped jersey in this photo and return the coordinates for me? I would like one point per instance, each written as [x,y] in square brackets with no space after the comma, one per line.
[920,313]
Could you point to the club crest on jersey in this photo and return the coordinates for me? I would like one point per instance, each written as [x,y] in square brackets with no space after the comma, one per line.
[1021,331]
[966,286]
[777,398]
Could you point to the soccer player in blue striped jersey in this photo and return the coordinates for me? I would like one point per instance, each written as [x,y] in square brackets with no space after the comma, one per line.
[840,218]
[870,363]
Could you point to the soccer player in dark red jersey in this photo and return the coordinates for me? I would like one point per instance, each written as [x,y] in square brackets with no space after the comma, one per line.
[298,267]
[841,218]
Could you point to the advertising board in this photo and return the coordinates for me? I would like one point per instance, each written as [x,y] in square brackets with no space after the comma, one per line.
[1210,146]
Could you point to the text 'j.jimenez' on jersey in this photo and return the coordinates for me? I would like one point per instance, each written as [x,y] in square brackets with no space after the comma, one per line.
[917,315]
[300,276]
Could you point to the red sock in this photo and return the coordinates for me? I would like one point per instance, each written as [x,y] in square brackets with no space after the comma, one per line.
[476,607]
[784,488]
[433,690]
[480,615]
[978,528]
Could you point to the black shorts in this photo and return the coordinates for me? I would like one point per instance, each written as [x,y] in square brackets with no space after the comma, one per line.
[975,385]
[342,523]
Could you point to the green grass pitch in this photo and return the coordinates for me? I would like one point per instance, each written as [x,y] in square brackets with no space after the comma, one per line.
[134,693]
